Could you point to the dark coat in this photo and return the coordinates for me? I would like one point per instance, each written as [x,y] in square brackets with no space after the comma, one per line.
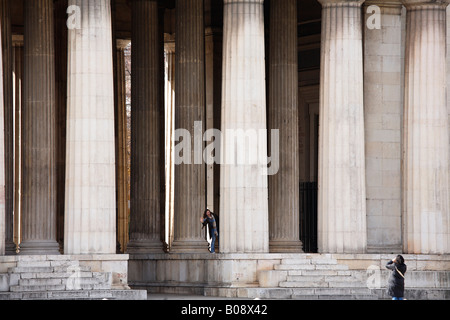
[396,283]
[206,222]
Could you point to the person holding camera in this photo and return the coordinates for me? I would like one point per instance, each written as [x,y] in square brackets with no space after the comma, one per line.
[396,282]
[212,220]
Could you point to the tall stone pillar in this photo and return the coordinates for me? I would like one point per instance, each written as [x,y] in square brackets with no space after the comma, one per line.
[7,48]
[244,226]
[426,141]
[283,116]
[145,229]
[189,108]
[2,160]
[90,196]
[121,147]
[341,198]
[38,143]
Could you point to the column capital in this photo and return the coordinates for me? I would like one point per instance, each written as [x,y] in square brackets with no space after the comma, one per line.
[122,43]
[329,3]
[410,4]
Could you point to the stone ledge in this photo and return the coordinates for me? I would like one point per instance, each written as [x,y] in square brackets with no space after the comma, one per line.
[117,264]
[415,262]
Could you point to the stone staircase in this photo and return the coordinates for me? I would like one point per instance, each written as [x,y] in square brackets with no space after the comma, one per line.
[63,279]
[312,277]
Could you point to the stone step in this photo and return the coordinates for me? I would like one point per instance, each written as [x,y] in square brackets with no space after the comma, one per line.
[321,278]
[315,272]
[311,293]
[30,269]
[76,295]
[334,267]
[344,291]
[48,263]
[40,282]
[334,297]
[94,278]
[309,260]
[38,288]
[47,275]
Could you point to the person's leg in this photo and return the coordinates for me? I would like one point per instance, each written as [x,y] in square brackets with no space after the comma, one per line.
[213,241]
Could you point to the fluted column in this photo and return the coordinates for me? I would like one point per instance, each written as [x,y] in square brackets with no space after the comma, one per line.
[90,196]
[243,181]
[38,144]
[283,116]
[341,198]
[145,149]
[7,48]
[121,147]
[426,141]
[189,108]
[2,159]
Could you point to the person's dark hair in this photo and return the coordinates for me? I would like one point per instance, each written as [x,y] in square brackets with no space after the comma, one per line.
[204,213]
[400,259]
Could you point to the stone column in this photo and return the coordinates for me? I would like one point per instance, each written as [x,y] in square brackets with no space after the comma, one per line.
[121,147]
[2,159]
[425,140]
[283,116]
[145,228]
[38,143]
[90,197]
[189,108]
[7,48]
[342,196]
[244,226]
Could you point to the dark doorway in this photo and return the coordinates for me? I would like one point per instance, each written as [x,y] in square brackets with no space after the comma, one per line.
[308,216]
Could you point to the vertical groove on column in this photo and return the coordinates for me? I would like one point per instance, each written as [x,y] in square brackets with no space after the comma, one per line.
[90,204]
[426,142]
[341,201]
[145,132]
[39,193]
[190,184]
[243,185]
[283,116]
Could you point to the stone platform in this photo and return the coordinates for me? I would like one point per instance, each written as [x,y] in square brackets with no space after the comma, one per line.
[66,277]
[287,276]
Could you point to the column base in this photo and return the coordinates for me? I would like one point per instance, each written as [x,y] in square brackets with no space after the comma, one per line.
[189,246]
[10,248]
[39,247]
[145,246]
[285,246]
